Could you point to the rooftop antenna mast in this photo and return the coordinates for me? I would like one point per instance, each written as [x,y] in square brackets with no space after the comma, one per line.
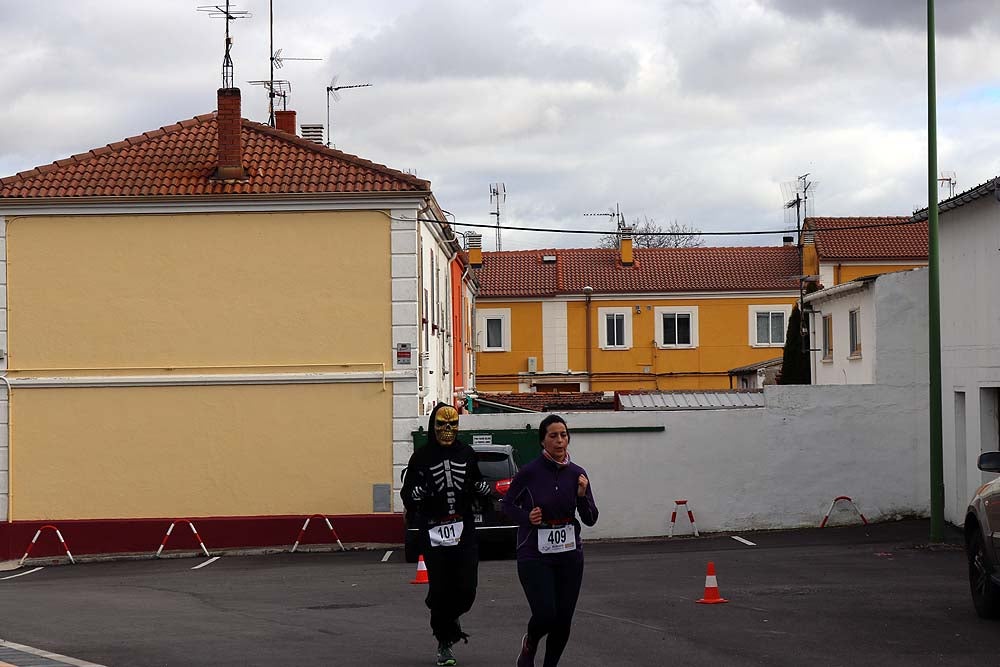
[227,12]
[948,178]
[331,90]
[276,88]
[498,197]
[615,214]
[800,202]
[797,194]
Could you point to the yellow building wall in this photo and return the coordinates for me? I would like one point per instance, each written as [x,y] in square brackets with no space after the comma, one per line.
[723,344]
[497,371]
[172,452]
[845,273]
[205,290]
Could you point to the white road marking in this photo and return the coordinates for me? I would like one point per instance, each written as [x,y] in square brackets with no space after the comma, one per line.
[386,556]
[740,539]
[48,654]
[21,574]
[207,562]
[623,620]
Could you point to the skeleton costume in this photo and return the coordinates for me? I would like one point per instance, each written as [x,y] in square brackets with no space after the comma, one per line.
[442,479]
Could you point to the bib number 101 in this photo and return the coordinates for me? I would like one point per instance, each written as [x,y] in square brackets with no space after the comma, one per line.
[446,534]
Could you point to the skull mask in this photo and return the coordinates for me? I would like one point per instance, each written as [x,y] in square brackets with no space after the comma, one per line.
[446,425]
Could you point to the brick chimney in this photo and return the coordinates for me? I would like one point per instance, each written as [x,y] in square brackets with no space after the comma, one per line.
[230,122]
[285,121]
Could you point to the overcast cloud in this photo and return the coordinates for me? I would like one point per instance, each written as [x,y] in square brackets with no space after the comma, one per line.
[689,110]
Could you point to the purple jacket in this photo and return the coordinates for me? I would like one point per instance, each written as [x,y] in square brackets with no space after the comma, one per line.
[543,483]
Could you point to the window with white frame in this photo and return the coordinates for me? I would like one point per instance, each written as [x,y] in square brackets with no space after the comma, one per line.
[615,328]
[494,329]
[854,324]
[676,327]
[768,325]
[827,337]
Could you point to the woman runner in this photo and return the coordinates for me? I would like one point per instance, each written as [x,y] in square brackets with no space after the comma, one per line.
[544,499]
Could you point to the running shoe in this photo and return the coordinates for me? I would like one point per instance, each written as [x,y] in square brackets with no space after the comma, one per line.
[445,656]
[526,658]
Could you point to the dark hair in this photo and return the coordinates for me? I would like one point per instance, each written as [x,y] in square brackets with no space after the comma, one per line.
[543,428]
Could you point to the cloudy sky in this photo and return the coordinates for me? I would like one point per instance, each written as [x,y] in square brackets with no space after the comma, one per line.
[690,110]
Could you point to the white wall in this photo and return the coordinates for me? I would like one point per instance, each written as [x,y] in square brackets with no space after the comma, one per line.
[774,467]
[893,329]
[841,368]
[970,344]
[435,342]
[901,317]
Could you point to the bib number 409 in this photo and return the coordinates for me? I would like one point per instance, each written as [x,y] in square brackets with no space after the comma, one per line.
[556,539]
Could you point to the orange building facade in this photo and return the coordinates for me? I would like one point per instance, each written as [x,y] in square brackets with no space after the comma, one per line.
[589,319]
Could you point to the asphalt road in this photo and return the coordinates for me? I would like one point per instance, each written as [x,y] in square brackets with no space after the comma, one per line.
[837,596]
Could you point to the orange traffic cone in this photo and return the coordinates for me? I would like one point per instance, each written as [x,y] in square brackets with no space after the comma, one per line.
[711,587]
[421,572]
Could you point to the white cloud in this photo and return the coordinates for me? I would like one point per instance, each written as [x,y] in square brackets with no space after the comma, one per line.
[686,110]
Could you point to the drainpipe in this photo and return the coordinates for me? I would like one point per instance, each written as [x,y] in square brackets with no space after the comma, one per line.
[588,291]
[10,458]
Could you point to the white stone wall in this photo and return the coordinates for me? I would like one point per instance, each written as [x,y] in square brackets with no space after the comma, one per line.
[970,346]
[405,329]
[766,468]
[555,346]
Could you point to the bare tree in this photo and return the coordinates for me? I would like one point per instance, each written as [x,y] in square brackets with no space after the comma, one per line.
[646,233]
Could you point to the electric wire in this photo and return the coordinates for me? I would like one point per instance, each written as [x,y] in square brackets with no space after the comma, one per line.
[754,232]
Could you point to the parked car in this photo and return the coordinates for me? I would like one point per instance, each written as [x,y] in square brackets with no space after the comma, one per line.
[497,464]
[982,538]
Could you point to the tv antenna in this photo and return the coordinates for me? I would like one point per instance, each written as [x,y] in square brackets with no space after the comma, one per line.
[797,195]
[615,214]
[331,91]
[948,178]
[498,198]
[276,88]
[227,12]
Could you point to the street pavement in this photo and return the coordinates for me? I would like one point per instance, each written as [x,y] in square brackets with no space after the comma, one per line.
[875,595]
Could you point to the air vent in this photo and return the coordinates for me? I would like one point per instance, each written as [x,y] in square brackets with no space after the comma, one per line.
[312,132]
[548,259]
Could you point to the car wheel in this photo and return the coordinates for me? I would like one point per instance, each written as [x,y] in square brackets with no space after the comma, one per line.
[985,593]
[411,547]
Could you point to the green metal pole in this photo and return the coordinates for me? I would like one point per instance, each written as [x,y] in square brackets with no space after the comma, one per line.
[934,293]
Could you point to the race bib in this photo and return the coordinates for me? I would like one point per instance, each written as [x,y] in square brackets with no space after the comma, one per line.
[446,534]
[556,539]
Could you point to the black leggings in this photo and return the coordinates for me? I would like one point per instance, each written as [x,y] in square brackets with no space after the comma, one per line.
[552,590]
[454,575]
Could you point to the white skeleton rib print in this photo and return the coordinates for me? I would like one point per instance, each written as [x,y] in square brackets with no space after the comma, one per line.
[449,477]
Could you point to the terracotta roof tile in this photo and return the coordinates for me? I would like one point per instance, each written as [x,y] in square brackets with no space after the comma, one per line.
[179,159]
[865,239]
[522,273]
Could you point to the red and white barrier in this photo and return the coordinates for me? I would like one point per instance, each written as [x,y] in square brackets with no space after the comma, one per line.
[328,525]
[171,529]
[848,499]
[35,539]
[673,517]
